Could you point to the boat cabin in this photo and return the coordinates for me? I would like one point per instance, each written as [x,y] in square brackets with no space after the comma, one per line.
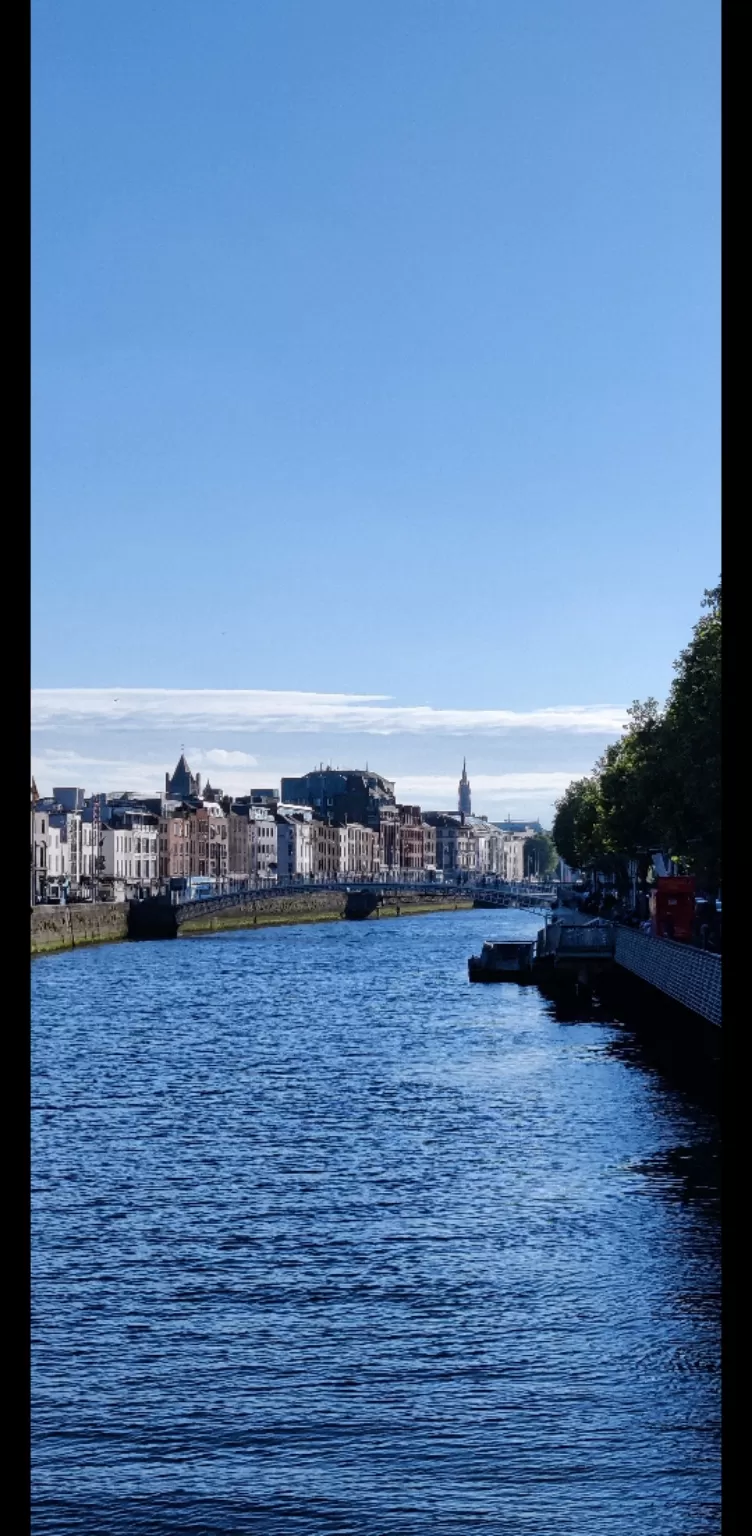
[503,959]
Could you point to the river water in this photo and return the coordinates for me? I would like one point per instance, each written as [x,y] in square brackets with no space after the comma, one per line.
[327,1240]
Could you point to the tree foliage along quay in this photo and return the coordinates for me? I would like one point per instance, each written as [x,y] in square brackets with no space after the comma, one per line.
[540,856]
[659,786]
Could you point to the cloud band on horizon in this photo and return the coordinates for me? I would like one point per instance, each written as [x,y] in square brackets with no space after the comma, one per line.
[288,711]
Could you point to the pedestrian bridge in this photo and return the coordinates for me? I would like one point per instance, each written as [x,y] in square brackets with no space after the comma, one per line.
[381,892]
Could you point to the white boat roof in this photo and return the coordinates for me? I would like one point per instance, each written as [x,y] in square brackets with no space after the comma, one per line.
[508,943]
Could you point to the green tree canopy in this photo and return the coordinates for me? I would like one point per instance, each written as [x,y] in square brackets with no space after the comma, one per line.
[540,855]
[693,746]
[577,824]
[633,787]
[659,786]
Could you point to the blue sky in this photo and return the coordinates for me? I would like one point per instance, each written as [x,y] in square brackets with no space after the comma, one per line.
[375,352]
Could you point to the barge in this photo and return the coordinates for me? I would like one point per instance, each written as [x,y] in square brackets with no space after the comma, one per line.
[504,960]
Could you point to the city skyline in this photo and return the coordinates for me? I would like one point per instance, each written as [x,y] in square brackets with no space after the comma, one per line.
[120,739]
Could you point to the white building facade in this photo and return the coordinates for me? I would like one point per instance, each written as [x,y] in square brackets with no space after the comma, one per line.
[130,851]
[359,851]
[513,856]
[262,842]
[294,847]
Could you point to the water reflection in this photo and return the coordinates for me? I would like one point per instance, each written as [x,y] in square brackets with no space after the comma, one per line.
[654,1036]
[685,1173]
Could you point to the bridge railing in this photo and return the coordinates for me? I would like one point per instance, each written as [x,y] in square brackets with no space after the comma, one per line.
[260,891]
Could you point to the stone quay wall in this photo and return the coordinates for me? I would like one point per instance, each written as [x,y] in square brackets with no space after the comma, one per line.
[308,907]
[204,917]
[54,928]
[690,976]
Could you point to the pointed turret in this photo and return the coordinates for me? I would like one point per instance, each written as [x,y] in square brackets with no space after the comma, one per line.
[463,793]
[182,785]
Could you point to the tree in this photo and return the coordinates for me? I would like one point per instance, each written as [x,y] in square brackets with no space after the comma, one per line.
[693,745]
[577,825]
[659,786]
[634,789]
[540,855]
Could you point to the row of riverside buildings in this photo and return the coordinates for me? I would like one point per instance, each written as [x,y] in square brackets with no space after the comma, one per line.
[330,824]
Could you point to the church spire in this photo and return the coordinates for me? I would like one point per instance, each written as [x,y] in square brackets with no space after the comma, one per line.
[463,792]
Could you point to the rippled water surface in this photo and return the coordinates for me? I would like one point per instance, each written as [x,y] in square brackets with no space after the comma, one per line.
[328,1240]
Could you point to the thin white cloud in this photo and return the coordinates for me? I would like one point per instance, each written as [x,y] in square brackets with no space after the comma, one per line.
[439,791]
[144,709]
[219,757]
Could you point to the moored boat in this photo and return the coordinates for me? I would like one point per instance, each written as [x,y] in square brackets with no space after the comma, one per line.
[503,960]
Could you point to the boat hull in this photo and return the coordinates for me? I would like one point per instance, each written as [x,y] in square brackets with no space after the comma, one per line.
[487,973]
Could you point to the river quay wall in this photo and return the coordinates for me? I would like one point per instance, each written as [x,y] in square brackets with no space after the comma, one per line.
[610,956]
[691,977]
[318,907]
[54,928]
[313,907]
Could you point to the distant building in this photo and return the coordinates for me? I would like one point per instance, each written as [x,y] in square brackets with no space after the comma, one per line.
[530,828]
[130,850]
[407,843]
[69,799]
[325,849]
[340,795]
[212,842]
[429,846]
[513,855]
[359,850]
[177,843]
[411,839]
[90,852]
[389,839]
[456,850]
[68,825]
[154,803]
[194,841]
[40,822]
[262,837]
[239,843]
[294,844]
[463,792]
[183,785]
